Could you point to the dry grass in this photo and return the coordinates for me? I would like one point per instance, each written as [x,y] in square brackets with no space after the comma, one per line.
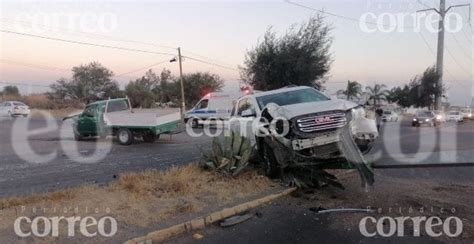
[144,199]
[53,197]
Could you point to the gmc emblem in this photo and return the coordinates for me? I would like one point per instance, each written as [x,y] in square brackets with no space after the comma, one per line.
[321,120]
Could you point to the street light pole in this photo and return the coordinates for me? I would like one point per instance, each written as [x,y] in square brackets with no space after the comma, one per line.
[183,104]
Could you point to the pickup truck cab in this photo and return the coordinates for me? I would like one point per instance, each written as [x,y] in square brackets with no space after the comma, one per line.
[313,123]
[115,117]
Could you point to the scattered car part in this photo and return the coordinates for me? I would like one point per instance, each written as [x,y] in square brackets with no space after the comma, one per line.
[235,220]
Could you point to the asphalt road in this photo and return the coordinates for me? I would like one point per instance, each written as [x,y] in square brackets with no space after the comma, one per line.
[56,161]
[50,159]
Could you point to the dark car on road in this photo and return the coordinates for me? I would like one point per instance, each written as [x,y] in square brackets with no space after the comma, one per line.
[424,118]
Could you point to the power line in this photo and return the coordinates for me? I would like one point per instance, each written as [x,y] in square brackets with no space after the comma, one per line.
[461,46]
[210,63]
[433,52]
[469,39]
[457,63]
[423,4]
[112,47]
[204,57]
[117,39]
[143,68]
[86,43]
[344,17]
[101,36]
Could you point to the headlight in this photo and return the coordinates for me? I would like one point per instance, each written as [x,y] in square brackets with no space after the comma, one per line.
[414,119]
[427,120]
[358,112]
[439,117]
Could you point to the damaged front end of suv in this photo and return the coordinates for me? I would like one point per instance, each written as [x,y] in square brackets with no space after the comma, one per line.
[305,132]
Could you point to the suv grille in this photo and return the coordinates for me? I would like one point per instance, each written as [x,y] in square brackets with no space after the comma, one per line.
[322,122]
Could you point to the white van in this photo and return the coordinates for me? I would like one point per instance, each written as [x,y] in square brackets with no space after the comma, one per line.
[215,105]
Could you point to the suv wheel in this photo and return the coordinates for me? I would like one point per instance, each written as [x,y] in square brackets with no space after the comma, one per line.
[125,136]
[269,162]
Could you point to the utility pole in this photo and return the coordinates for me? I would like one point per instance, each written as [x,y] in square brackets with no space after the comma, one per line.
[440,53]
[442,11]
[183,104]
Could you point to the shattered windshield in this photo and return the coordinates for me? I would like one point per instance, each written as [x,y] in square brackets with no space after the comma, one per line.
[292,97]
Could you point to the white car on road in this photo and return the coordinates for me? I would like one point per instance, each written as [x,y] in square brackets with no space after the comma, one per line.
[14,108]
[389,116]
[455,116]
[466,113]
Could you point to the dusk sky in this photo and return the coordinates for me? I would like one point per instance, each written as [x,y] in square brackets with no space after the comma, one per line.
[220,32]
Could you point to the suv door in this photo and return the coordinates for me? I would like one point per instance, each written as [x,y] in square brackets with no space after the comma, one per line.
[88,121]
[244,117]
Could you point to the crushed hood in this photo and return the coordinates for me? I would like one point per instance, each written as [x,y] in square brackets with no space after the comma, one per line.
[294,110]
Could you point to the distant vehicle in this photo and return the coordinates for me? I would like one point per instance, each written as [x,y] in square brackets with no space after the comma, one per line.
[440,116]
[215,105]
[115,117]
[14,108]
[424,118]
[466,113]
[389,116]
[455,116]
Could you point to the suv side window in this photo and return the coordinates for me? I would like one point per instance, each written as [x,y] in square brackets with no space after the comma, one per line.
[244,104]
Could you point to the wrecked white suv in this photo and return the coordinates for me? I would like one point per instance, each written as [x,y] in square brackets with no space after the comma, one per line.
[302,121]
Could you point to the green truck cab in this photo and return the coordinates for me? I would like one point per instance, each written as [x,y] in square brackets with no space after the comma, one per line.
[115,117]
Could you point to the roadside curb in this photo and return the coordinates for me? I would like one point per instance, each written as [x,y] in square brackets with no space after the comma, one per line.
[201,222]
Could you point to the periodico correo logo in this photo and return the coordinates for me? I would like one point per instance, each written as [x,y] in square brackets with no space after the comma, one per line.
[50,226]
[433,226]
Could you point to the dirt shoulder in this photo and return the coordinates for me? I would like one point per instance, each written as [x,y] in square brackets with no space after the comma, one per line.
[139,202]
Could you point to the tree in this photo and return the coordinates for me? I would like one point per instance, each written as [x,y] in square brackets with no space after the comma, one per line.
[424,89]
[196,85]
[163,90]
[353,90]
[89,83]
[11,91]
[300,57]
[377,93]
[141,92]
[400,95]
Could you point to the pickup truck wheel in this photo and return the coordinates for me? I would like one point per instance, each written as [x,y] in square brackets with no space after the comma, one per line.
[269,162]
[149,137]
[125,136]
